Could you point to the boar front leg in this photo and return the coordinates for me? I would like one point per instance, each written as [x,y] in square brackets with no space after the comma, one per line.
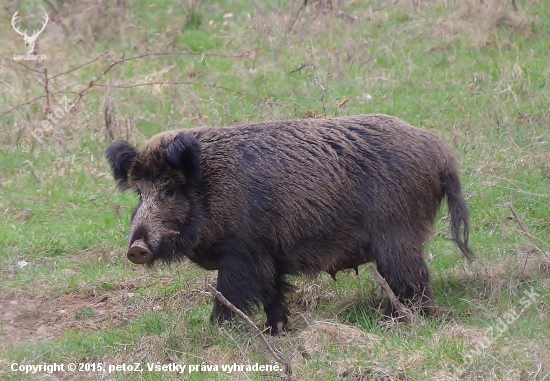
[246,281]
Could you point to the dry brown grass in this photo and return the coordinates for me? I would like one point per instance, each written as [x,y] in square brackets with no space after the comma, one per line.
[507,275]
[320,335]
[480,20]
[320,338]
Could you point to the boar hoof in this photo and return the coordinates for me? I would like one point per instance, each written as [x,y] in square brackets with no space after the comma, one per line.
[139,253]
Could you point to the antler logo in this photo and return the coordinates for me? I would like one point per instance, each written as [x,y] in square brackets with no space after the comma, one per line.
[29,40]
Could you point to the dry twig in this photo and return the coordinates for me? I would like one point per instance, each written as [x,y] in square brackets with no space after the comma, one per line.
[285,363]
[529,236]
[94,82]
[304,65]
[400,307]
[109,118]
[293,21]
[46,83]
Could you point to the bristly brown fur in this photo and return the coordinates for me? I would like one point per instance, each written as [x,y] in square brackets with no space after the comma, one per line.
[258,202]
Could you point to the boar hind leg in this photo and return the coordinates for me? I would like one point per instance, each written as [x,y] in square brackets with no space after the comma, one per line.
[276,308]
[407,274]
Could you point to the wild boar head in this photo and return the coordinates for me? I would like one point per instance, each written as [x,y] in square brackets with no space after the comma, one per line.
[165,175]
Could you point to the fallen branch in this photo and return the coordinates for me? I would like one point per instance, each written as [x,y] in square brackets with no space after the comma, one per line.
[286,364]
[399,307]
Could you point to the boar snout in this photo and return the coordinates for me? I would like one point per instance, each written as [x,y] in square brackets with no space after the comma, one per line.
[139,253]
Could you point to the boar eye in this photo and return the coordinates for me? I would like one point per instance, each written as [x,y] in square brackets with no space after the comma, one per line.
[169,193]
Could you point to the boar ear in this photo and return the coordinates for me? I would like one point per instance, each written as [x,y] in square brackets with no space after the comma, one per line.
[121,155]
[184,154]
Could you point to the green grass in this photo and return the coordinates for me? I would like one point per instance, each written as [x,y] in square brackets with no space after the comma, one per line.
[475,73]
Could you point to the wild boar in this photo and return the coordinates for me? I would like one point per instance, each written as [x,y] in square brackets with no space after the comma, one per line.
[262,201]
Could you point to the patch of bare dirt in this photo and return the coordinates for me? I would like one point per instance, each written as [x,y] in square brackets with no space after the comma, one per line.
[24,319]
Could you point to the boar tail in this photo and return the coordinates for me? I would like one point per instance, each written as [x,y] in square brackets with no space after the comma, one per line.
[460,215]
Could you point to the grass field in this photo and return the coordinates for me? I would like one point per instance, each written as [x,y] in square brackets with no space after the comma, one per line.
[476,73]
